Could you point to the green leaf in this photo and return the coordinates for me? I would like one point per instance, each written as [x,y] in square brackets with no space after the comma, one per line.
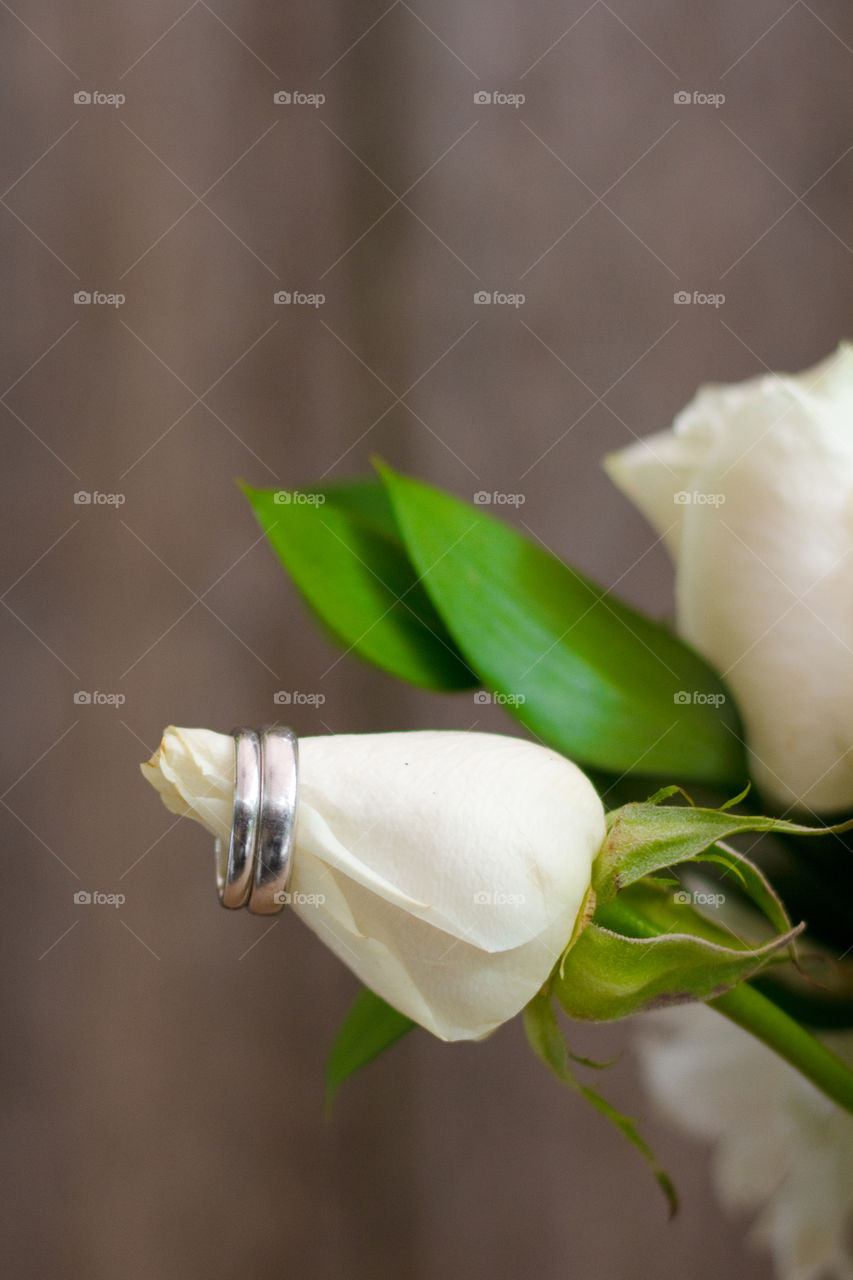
[665,793]
[730,804]
[346,557]
[587,674]
[607,975]
[548,1043]
[646,837]
[370,1027]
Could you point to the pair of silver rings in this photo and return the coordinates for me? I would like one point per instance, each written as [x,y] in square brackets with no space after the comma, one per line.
[255,869]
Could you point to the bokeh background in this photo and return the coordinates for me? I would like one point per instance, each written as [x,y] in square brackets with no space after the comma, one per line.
[162,1077]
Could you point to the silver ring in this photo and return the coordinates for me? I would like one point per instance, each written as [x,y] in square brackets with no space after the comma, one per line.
[279,767]
[234,871]
[256,869]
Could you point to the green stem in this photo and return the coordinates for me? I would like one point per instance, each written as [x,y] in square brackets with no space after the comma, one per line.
[758,1015]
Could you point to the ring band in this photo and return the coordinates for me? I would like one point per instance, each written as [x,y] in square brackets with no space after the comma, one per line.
[256,869]
[234,873]
[279,763]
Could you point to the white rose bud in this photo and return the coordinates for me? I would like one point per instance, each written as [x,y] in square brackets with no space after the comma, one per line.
[447,870]
[752,492]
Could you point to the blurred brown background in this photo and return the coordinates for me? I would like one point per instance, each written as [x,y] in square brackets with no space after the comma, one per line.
[162,1080]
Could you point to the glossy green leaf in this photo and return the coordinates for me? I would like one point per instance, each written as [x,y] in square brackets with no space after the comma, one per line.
[587,674]
[345,555]
[548,1043]
[370,1027]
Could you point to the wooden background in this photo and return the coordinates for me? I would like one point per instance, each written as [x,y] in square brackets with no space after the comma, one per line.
[162,1075]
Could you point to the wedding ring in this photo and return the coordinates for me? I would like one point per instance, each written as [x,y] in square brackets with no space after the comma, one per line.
[234,870]
[255,870]
[279,763]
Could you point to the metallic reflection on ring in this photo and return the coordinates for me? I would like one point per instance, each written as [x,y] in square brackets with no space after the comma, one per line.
[234,870]
[279,765]
[255,869]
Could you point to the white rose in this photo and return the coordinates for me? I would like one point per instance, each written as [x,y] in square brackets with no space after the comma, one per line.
[445,869]
[752,492]
[781,1148]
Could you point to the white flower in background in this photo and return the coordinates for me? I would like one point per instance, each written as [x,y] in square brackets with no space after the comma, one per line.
[779,1145]
[752,492]
[445,869]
